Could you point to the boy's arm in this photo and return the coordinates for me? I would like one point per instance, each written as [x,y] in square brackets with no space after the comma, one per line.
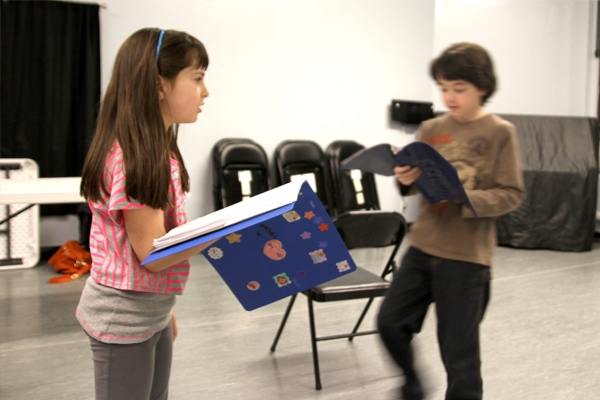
[509,190]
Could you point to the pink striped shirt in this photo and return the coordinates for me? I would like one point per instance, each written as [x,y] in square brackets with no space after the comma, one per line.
[114,262]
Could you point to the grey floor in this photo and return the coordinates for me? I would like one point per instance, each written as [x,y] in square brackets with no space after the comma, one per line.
[540,339]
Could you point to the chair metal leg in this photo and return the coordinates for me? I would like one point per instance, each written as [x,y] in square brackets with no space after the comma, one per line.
[313,340]
[360,319]
[283,321]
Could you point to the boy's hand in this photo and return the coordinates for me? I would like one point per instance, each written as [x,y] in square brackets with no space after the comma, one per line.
[406,175]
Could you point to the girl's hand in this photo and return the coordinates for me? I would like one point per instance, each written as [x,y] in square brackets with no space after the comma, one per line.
[406,175]
[174,320]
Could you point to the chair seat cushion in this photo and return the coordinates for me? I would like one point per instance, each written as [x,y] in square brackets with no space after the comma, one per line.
[359,284]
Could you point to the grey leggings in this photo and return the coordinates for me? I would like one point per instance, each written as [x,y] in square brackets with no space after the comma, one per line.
[138,371]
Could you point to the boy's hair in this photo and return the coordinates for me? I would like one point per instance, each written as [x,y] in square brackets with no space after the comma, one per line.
[131,115]
[468,62]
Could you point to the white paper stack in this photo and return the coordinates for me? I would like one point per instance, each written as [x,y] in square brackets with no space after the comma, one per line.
[257,205]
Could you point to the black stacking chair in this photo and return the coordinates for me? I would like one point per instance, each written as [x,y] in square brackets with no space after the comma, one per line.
[240,171]
[302,159]
[352,189]
[358,229]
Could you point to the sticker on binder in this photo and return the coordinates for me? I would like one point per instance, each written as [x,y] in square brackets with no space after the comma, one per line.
[343,266]
[215,253]
[291,216]
[234,238]
[309,215]
[282,279]
[318,256]
[274,250]
[305,235]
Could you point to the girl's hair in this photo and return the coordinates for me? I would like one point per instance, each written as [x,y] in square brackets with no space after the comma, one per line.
[468,62]
[131,115]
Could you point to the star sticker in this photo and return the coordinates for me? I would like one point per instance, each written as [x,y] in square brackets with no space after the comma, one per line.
[323,227]
[317,220]
[309,214]
[305,235]
[323,245]
[234,237]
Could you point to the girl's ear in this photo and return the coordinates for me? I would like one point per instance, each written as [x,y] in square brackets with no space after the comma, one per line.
[161,84]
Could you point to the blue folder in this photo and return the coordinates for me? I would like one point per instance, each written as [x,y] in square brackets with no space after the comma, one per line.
[275,254]
[439,179]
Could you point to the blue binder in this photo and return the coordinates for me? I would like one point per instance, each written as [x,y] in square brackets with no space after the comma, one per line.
[275,254]
[439,179]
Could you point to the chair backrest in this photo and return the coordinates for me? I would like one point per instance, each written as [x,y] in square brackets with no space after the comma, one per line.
[351,189]
[371,229]
[303,159]
[240,171]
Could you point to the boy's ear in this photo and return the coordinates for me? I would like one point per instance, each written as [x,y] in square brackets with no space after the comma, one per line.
[482,93]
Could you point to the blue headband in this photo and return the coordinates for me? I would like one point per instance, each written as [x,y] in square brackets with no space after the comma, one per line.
[160,39]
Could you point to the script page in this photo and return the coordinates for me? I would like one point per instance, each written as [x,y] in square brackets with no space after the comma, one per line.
[256,205]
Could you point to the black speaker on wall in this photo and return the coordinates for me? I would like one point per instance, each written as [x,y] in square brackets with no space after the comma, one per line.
[411,112]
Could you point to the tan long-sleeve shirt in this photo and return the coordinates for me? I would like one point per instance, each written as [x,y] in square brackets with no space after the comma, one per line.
[486,155]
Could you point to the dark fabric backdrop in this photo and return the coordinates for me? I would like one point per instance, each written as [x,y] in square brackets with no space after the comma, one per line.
[50,85]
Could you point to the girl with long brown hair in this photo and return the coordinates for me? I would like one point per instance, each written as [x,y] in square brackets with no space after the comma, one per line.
[135,181]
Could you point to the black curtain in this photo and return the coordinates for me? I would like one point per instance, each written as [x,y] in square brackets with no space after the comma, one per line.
[50,85]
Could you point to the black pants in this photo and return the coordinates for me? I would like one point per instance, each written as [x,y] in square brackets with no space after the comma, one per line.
[460,291]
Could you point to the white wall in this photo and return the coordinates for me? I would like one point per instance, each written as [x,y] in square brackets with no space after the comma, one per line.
[293,69]
[543,51]
[325,70]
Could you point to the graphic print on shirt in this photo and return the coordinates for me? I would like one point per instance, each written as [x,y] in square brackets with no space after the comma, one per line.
[468,156]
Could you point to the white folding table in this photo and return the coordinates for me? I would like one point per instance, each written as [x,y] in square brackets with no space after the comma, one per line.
[39,191]
[23,194]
